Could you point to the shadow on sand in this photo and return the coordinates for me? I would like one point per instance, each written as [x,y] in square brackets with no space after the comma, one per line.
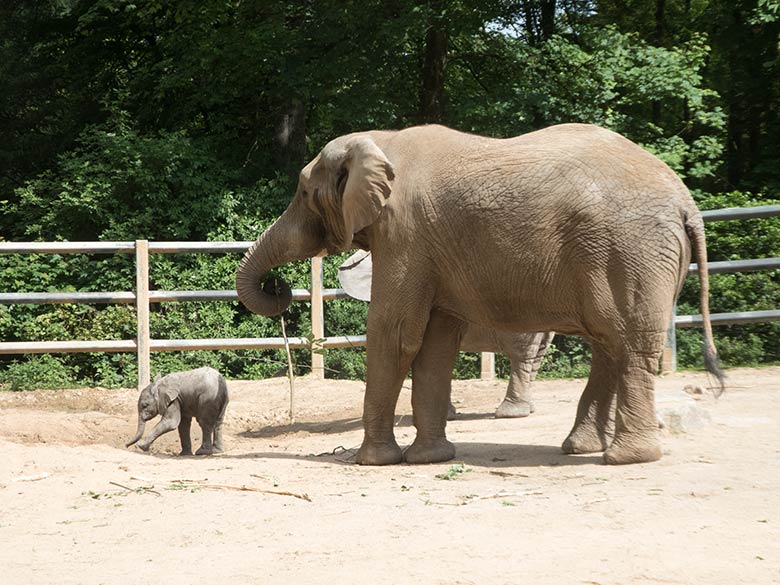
[341,426]
[473,454]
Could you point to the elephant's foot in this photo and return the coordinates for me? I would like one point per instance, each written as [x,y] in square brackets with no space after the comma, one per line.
[205,450]
[379,453]
[185,453]
[509,409]
[584,439]
[634,449]
[429,451]
[144,446]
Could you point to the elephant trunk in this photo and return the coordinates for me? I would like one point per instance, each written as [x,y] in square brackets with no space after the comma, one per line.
[289,238]
[138,433]
[274,296]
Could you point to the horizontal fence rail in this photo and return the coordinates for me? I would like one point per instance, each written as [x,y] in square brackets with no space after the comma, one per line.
[142,298]
[155,296]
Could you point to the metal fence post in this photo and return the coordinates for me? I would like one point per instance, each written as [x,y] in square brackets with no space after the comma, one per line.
[317,317]
[142,312]
[669,355]
[488,366]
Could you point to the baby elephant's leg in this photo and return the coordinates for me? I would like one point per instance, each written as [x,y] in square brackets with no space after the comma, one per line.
[184,435]
[218,445]
[169,421]
[207,446]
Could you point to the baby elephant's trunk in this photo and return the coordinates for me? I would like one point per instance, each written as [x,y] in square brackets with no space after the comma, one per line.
[139,433]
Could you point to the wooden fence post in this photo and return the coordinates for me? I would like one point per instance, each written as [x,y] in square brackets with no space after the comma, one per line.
[142,312]
[488,366]
[317,317]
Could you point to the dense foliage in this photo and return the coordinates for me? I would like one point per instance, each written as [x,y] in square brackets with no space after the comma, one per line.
[188,120]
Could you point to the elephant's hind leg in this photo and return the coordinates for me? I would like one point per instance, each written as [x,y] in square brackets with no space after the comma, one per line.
[431,387]
[207,445]
[218,444]
[636,426]
[592,424]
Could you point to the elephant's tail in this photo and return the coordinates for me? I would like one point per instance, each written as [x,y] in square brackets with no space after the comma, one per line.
[695,228]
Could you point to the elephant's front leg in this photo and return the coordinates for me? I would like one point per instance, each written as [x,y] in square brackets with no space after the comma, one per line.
[394,337]
[169,421]
[431,387]
[184,435]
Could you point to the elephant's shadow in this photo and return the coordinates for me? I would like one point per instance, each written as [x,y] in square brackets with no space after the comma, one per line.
[340,426]
[493,455]
[476,454]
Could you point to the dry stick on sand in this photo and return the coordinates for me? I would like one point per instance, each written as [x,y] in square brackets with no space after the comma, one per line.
[214,486]
[140,490]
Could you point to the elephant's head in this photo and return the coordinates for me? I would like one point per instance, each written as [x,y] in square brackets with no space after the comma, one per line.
[153,400]
[341,192]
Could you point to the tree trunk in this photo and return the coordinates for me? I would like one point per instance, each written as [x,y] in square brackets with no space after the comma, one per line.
[548,19]
[660,34]
[434,67]
[290,138]
[530,22]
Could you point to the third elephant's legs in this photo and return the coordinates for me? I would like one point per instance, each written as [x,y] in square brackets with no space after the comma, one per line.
[518,401]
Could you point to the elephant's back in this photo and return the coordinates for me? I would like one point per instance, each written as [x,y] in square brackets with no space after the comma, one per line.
[553,211]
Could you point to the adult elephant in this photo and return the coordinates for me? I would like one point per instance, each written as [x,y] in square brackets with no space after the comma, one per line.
[525,350]
[572,229]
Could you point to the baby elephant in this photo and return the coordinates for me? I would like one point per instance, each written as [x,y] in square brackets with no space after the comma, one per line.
[178,397]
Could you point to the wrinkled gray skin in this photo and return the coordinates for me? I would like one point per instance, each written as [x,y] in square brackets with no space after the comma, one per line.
[525,350]
[572,229]
[177,398]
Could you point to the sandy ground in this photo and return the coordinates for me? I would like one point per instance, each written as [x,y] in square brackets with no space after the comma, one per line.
[79,508]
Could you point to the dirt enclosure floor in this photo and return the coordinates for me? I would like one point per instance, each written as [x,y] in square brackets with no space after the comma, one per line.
[285,504]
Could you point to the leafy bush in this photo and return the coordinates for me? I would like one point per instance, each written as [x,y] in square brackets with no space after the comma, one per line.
[38,372]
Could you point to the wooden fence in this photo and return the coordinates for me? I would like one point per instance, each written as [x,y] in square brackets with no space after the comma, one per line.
[143,345]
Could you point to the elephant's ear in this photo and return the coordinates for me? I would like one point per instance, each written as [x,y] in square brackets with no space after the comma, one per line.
[166,393]
[368,184]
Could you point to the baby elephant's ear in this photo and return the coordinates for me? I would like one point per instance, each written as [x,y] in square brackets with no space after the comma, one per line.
[166,393]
